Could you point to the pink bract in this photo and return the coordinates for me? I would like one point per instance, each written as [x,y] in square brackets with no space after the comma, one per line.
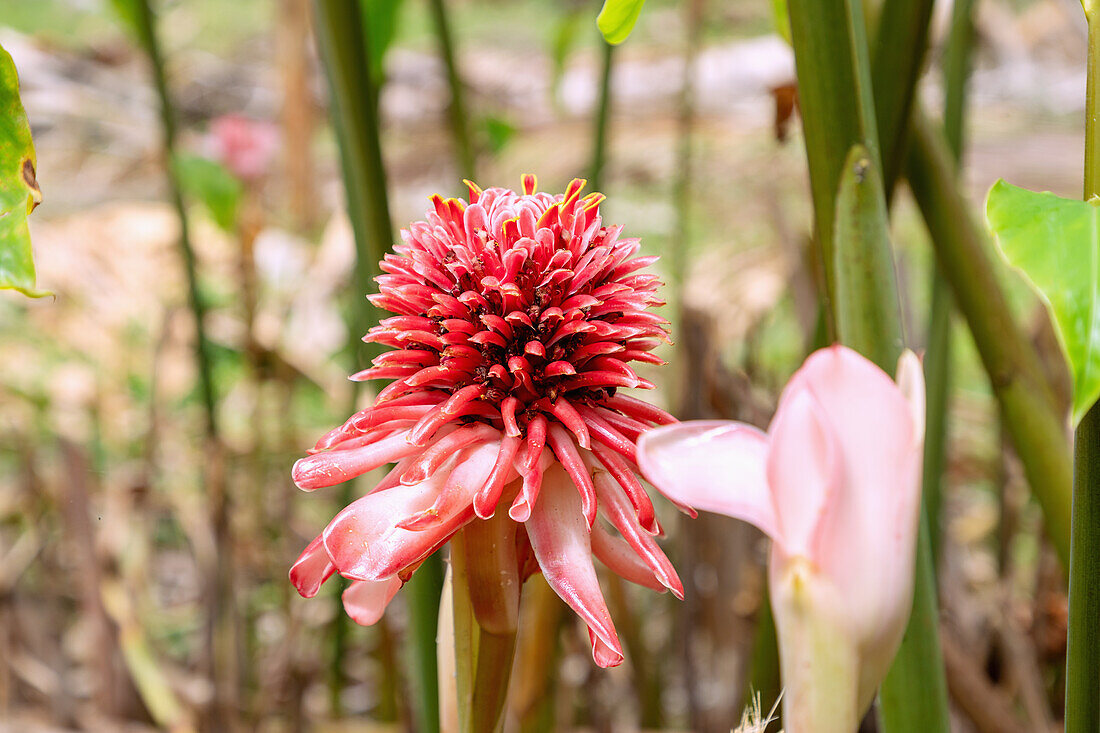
[516,319]
[243,145]
[835,484]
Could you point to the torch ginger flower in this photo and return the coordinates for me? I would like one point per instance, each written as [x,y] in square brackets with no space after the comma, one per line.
[835,484]
[516,318]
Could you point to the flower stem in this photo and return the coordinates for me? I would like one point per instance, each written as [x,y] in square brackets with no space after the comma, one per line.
[603,116]
[485,593]
[464,148]
[1083,643]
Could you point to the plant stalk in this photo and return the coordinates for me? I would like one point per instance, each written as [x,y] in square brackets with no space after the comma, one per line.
[341,28]
[1083,642]
[456,110]
[1027,401]
[830,50]
[221,652]
[603,116]
[937,359]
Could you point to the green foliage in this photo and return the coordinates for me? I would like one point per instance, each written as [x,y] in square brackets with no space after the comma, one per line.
[129,14]
[617,19]
[19,192]
[1055,243]
[498,133]
[212,184]
[380,19]
[781,19]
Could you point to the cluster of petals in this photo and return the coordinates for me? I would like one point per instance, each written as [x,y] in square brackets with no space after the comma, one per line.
[835,484]
[516,318]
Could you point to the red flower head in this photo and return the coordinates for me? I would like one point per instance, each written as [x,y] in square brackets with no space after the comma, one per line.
[517,316]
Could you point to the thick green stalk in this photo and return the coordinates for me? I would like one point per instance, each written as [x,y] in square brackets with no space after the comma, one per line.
[339,26]
[1030,410]
[900,42]
[830,50]
[603,115]
[1083,643]
[464,149]
[485,588]
[937,359]
[344,49]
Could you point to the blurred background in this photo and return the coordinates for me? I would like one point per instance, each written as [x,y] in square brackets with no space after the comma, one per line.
[133,597]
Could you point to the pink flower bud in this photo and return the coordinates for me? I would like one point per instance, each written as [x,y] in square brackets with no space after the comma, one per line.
[835,484]
[243,145]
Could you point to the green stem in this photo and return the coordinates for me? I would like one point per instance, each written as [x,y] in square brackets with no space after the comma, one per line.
[344,44]
[901,40]
[339,26]
[464,149]
[203,359]
[485,588]
[937,359]
[937,381]
[1083,642]
[422,595]
[1028,404]
[603,115]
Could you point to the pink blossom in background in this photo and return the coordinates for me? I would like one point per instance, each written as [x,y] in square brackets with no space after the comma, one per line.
[245,146]
[835,484]
[517,316]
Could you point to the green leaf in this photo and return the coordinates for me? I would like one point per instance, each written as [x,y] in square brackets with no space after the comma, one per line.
[1055,243]
[212,184]
[19,192]
[498,132]
[868,314]
[617,19]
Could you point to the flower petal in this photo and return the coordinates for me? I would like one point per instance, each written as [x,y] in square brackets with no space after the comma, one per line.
[366,600]
[621,559]
[560,539]
[311,569]
[803,471]
[365,541]
[714,465]
[336,466]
